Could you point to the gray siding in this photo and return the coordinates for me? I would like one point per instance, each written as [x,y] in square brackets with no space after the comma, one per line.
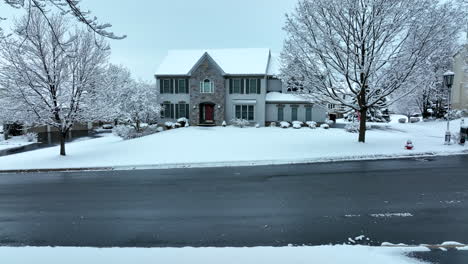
[233,99]
[319,113]
[275,85]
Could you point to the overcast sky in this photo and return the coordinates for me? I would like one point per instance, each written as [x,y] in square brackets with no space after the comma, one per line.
[153,27]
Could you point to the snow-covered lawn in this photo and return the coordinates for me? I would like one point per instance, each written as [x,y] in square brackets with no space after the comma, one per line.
[14,142]
[219,146]
[268,255]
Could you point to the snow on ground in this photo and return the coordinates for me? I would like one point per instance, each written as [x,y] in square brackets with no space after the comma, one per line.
[221,146]
[13,142]
[285,255]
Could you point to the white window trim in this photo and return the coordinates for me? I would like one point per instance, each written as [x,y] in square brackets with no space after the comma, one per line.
[250,85]
[169,88]
[240,85]
[254,111]
[183,81]
[202,86]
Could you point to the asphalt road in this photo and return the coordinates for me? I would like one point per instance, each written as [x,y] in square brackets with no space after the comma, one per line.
[311,204]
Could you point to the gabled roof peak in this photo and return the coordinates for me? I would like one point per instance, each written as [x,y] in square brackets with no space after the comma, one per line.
[249,61]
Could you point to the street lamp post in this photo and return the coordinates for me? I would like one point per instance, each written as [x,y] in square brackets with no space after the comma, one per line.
[448,81]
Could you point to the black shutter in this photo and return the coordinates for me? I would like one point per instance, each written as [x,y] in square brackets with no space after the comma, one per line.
[247,86]
[187,86]
[259,83]
[172,85]
[230,86]
[161,86]
[187,111]
[172,111]
[176,86]
[242,86]
[177,111]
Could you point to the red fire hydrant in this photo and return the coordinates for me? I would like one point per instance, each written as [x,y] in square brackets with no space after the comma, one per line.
[409,145]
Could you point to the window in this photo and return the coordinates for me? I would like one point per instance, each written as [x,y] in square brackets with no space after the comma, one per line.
[206,86]
[167,86]
[182,110]
[294,113]
[308,113]
[236,86]
[167,111]
[245,112]
[182,86]
[331,106]
[253,86]
[280,113]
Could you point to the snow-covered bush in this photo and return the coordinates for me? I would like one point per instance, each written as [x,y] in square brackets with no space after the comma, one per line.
[177,125]
[325,126]
[169,125]
[182,121]
[159,129]
[224,124]
[329,122]
[284,124]
[297,124]
[311,124]
[129,132]
[456,114]
[125,132]
[31,137]
[187,124]
[352,127]
[402,120]
[240,122]
[273,124]
[257,125]
[415,119]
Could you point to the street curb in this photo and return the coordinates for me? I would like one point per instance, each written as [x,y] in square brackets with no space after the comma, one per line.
[240,163]
[56,170]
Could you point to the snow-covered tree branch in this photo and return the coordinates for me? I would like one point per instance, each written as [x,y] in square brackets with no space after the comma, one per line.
[65,7]
[120,98]
[49,73]
[358,53]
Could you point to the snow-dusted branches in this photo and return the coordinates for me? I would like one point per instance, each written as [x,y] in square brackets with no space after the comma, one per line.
[66,7]
[49,73]
[121,98]
[358,53]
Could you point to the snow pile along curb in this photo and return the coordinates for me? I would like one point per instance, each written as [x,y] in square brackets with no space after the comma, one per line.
[282,255]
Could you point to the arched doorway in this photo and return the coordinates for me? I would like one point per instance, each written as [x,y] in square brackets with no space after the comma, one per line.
[207,114]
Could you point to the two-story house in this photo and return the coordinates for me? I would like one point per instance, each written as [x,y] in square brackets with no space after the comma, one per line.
[211,86]
[460,82]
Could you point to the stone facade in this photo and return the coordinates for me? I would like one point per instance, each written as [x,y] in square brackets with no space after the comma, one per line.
[207,70]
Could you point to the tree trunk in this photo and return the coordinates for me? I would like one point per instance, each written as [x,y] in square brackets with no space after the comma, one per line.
[138,125]
[63,137]
[362,126]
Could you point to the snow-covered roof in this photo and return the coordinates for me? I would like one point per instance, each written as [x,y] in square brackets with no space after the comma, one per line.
[276,97]
[275,65]
[232,61]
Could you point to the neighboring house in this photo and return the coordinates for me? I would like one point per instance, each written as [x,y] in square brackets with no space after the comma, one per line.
[460,82]
[212,86]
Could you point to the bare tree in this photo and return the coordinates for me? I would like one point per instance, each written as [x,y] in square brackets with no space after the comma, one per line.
[49,73]
[66,7]
[357,53]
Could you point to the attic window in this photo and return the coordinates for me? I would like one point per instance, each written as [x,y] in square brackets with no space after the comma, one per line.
[206,86]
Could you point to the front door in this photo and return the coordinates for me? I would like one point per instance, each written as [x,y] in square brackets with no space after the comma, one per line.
[209,113]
